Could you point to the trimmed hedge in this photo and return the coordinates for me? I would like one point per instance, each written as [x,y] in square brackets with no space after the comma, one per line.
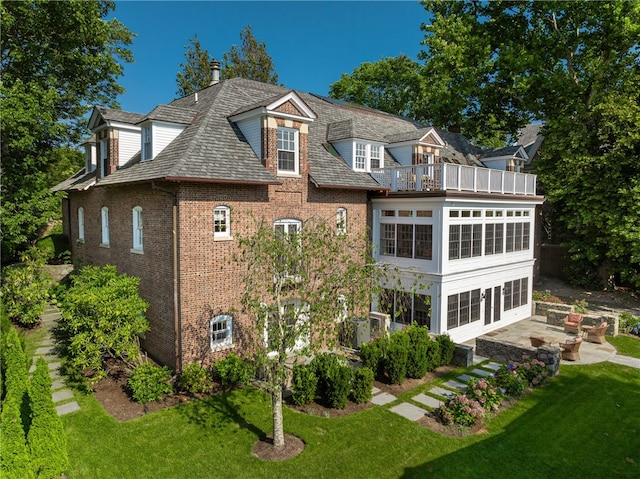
[395,363]
[304,384]
[338,385]
[418,359]
[149,382]
[46,438]
[361,388]
[15,462]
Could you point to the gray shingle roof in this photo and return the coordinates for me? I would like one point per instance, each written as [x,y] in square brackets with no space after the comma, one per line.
[112,114]
[212,148]
[171,114]
[529,134]
[504,151]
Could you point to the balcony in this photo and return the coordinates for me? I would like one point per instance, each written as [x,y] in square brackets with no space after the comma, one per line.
[452,177]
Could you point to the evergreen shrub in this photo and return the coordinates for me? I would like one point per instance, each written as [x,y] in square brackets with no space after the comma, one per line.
[418,360]
[304,384]
[338,385]
[447,346]
[361,388]
[149,382]
[395,362]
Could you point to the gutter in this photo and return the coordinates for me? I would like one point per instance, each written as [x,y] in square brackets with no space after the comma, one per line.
[176,310]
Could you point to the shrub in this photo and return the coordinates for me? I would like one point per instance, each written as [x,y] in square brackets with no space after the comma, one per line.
[15,461]
[149,382]
[433,355]
[233,370]
[395,362]
[102,315]
[321,364]
[361,388]
[372,354]
[447,346]
[338,385]
[510,382]
[195,379]
[47,440]
[485,392]
[546,296]
[533,371]
[460,410]
[580,306]
[14,363]
[24,290]
[54,248]
[417,360]
[628,323]
[304,384]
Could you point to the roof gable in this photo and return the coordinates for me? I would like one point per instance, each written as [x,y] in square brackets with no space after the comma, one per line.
[289,105]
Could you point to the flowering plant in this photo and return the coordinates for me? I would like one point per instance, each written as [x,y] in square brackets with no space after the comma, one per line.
[485,392]
[460,410]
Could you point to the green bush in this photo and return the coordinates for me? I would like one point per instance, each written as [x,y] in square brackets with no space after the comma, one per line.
[447,346]
[485,392]
[24,290]
[195,379]
[361,389]
[15,461]
[233,370]
[322,363]
[372,355]
[433,355]
[628,323]
[102,315]
[510,382]
[149,382]
[418,359]
[395,362]
[15,367]
[54,248]
[304,384]
[338,385]
[46,438]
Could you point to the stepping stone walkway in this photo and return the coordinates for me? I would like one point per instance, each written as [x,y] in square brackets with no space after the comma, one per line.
[437,395]
[60,394]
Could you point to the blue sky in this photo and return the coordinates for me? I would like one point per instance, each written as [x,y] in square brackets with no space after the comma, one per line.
[311,43]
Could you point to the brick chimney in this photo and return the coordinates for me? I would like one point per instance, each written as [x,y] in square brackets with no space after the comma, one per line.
[215,72]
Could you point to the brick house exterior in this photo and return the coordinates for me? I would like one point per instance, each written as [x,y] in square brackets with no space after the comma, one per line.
[171,191]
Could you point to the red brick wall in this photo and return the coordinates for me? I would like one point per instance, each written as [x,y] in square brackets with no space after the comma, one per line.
[153,267]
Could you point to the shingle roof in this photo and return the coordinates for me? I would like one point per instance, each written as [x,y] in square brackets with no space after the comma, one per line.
[112,114]
[171,114]
[212,148]
[78,181]
[529,134]
[504,151]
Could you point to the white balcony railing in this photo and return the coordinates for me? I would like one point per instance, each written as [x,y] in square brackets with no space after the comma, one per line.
[449,176]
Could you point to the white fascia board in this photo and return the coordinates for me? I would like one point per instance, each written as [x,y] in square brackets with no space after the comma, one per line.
[293,97]
[123,126]
[89,185]
[432,131]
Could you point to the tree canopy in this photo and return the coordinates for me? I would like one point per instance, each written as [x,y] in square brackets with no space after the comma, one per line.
[393,84]
[58,58]
[248,60]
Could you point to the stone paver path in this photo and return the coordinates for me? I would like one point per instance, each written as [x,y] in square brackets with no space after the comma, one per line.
[410,411]
[62,396]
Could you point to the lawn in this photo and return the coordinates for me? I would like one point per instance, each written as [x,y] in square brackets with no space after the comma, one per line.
[584,423]
[625,345]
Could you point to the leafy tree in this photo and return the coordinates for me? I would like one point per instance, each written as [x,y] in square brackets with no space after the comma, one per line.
[102,315]
[249,60]
[393,84]
[494,66]
[295,288]
[56,59]
[195,72]
[46,438]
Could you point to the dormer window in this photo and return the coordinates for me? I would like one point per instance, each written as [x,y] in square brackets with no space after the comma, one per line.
[147,150]
[367,156]
[288,151]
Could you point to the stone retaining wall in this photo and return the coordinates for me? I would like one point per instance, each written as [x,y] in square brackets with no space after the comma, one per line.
[589,319]
[504,352]
[541,308]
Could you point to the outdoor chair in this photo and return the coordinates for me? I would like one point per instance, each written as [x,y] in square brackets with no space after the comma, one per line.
[569,349]
[573,323]
[596,334]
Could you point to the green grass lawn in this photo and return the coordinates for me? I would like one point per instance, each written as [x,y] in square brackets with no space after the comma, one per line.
[626,345]
[584,423]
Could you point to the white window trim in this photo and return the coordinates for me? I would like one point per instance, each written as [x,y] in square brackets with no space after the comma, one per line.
[222,235]
[80,223]
[367,155]
[138,238]
[104,225]
[296,151]
[341,220]
[103,153]
[227,341]
[302,317]
[147,147]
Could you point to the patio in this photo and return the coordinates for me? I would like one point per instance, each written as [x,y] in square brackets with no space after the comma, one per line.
[519,333]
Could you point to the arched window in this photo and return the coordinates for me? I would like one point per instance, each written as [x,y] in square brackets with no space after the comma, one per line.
[104,216]
[81,223]
[137,228]
[221,331]
[221,222]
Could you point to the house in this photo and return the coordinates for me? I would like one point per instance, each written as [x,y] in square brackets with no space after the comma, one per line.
[165,195]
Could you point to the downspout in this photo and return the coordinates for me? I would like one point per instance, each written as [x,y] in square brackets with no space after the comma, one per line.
[176,311]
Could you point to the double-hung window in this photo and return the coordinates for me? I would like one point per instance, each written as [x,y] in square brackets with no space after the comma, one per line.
[220,331]
[360,159]
[376,156]
[221,222]
[341,220]
[290,262]
[288,151]
[81,224]
[104,158]
[137,228]
[104,217]
[147,150]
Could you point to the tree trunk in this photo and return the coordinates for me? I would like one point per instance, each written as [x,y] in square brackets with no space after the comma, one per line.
[278,429]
